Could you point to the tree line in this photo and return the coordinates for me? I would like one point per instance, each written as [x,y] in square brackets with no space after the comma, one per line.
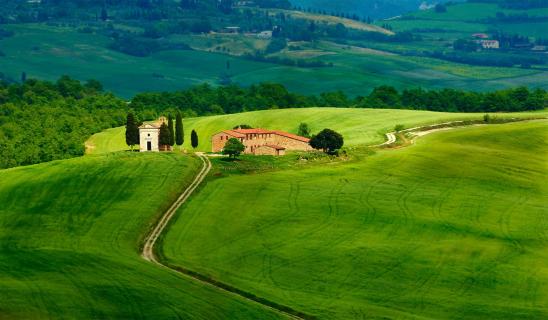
[43,121]
[208,100]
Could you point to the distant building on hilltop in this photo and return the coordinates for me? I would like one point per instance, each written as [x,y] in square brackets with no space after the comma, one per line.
[489,44]
[261,141]
[425,6]
[149,136]
[265,35]
[233,30]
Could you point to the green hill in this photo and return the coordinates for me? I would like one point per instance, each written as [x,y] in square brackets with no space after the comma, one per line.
[70,232]
[47,52]
[376,9]
[358,126]
[453,227]
[474,17]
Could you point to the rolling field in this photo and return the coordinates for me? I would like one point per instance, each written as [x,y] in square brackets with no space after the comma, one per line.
[453,227]
[39,49]
[358,126]
[69,237]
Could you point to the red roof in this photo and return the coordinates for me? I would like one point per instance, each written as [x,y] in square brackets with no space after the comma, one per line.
[290,135]
[234,133]
[241,133]
[250,131]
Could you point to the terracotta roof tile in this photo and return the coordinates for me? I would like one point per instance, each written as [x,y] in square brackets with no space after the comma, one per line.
[250,131]
[241,133]
[292,136]
[234,133]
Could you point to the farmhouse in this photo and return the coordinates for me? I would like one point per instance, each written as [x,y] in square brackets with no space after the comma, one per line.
[265,35]
[261,141]
[149,137]
[490,44]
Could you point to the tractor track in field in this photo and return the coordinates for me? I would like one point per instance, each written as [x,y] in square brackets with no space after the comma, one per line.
[152,238]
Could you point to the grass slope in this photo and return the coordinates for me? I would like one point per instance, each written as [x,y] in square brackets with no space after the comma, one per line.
[471,18]
[69,237]
[358,126]
[452,227]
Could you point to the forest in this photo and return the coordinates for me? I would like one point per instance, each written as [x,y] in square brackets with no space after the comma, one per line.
[42,121]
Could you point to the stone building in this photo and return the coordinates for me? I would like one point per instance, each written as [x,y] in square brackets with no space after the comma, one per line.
[261,141]
[149,137]
[490,44]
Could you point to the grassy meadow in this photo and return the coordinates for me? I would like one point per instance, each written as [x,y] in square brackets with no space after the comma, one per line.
[358,126]
[467,18]
[47,52]
[70,234]
[452,227]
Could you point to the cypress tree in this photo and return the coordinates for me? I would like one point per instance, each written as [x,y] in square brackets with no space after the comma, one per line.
[194,139]
[171,131]
[179,133]
[164,135]
[132,131]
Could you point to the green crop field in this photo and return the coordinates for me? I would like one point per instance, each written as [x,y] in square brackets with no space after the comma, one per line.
[452,227]
[358,126]
[47,52]
[70,232]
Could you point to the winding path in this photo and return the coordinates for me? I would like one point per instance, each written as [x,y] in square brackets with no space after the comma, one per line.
[148,253]
[148,248]
[152,238]
[419,131]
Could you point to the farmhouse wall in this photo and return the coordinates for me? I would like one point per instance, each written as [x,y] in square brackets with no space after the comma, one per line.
[290,143]
[254,140]
[268,151]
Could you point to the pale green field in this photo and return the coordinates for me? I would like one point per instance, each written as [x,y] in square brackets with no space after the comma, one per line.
[453,227]
[358,126]
[70,233]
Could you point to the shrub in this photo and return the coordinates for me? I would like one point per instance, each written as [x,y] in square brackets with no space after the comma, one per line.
[399,127]
[243,126]
[233,148]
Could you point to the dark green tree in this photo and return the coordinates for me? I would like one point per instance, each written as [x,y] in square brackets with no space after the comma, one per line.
[233,148]
[194,139]
[104,14]
[179,133]
[328,141]
[384,96]
[171,131]
[165,135]
[132,131]
[304,130]
[440,8]
[243,126]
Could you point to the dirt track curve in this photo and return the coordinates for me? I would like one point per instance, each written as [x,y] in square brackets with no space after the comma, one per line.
[152,238]
[148,252]
[148,248]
